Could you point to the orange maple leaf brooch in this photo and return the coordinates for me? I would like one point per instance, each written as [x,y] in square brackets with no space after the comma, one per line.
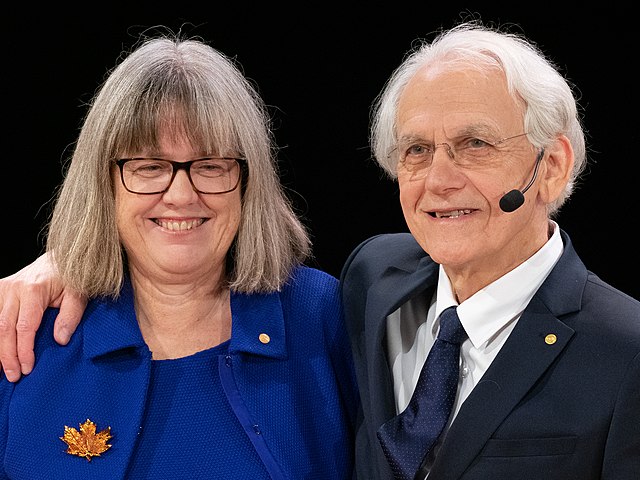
[86,443]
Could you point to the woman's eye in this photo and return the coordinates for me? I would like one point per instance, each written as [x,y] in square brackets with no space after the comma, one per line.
[150,167]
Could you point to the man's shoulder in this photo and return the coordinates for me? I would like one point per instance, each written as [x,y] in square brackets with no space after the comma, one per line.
[389,246]
[376,254]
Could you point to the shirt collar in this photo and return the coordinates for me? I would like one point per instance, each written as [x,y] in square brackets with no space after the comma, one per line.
[489,310]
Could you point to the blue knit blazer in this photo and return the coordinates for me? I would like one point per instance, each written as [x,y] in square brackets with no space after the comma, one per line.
[288,377]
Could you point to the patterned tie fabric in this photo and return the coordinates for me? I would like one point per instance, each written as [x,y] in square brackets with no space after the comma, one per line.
[407,438]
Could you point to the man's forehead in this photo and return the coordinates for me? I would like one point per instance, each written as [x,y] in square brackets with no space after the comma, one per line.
[458,100]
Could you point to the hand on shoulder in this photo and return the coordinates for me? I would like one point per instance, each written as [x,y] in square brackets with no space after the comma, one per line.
[24,296]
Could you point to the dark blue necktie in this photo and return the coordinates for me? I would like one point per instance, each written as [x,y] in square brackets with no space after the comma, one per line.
[407,438]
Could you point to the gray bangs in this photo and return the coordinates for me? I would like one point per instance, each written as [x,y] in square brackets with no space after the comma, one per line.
[169,103]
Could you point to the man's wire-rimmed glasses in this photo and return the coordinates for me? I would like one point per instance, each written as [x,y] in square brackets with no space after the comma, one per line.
[466,151]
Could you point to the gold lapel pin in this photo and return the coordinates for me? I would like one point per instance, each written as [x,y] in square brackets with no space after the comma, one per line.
[86,443]
[550,339]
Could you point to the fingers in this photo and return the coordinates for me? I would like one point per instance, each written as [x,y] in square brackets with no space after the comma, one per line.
[8,351]
[31,309]
[71,308]
[24,296]
[21,315]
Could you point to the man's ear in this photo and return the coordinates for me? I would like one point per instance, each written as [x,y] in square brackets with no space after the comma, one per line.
[558,165]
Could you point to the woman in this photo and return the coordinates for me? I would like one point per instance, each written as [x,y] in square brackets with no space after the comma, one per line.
[207,349]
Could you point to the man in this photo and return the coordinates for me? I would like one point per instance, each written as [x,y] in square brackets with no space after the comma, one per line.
[483,136]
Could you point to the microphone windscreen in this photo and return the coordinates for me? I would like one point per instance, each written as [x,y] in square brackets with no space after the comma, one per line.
[511,201]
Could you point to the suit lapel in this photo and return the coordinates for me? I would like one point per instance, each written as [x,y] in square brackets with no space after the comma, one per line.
[386,295]
[523,359]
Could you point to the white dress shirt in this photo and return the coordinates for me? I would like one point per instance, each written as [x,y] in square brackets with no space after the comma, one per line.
[488,317]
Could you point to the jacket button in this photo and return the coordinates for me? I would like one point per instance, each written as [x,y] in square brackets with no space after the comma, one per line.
[264,338]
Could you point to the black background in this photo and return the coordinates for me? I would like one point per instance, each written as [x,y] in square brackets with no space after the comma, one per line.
[319,68]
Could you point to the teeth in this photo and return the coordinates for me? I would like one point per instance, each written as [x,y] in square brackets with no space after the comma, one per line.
[452,214]
[180,226]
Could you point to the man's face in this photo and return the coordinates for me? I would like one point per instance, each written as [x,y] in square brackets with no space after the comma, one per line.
[451,205]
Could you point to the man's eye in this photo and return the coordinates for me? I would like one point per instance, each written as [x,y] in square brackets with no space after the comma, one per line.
[417,150]
[474,143]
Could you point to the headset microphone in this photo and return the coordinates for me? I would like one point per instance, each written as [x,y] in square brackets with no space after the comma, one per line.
[514,199]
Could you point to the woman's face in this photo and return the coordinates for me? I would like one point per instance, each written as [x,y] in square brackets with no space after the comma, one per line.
[179,235]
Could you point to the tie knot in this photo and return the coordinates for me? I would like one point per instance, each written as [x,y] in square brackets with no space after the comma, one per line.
[451,330]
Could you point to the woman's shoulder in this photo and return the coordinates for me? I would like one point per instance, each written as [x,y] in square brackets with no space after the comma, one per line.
[44,336]
[305,277]
[96,328]
[311,286]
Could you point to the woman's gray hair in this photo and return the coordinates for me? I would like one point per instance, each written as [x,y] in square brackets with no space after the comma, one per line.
[550,106]
[188,88]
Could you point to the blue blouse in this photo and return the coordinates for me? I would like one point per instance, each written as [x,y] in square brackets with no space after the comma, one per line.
[277,401]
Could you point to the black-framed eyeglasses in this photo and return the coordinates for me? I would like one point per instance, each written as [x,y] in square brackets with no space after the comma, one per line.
[212,175]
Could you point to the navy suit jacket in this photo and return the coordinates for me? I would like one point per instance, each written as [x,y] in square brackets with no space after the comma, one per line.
[570,410]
